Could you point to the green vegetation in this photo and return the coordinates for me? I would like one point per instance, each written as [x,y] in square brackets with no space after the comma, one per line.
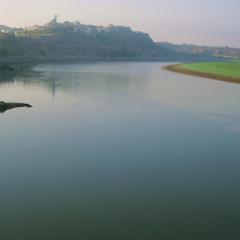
[226,71]
[76,41]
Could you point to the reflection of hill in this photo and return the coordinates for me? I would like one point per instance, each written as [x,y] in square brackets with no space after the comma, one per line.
[91,84]
[11,76]
[95,84]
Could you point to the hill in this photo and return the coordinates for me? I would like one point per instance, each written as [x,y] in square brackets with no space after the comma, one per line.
[76,41]
[223,52]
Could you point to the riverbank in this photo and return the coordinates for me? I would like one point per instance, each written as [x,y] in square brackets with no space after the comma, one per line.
[223,71]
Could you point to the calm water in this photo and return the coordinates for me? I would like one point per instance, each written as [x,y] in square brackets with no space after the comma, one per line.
[119,151]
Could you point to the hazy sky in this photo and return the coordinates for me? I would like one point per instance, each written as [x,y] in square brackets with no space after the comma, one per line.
[207,22]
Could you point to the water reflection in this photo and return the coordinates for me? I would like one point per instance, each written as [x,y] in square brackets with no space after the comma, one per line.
[119,151]
[126,81]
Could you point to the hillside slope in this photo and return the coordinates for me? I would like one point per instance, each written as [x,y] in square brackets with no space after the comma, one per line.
[76,41]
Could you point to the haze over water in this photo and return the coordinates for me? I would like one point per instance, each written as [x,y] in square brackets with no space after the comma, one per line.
[119,151]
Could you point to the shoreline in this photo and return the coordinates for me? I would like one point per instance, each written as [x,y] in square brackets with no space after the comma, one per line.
[178,69]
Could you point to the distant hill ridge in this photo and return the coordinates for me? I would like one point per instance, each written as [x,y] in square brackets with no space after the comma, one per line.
[225,52]
[76,41]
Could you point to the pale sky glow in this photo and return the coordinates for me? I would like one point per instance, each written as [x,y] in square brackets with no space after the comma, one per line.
[205,22]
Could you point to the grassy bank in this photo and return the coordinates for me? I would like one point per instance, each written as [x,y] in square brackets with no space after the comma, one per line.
[225,71]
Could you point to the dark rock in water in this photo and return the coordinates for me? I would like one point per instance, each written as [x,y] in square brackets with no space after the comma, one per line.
[4,106]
